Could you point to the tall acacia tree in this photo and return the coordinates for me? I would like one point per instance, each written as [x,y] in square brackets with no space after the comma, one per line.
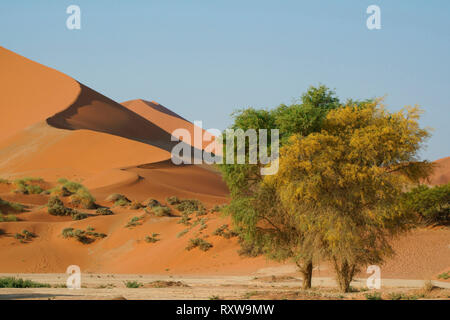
[255,207]
[342,185]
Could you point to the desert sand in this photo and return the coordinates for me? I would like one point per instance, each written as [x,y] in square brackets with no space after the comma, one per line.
[52,127]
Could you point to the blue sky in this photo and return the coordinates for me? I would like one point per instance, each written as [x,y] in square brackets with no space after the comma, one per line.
[204,59]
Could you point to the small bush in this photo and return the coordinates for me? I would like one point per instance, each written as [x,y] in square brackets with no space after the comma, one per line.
[122,203]
[6,206]
[185,219]
[25,186]
[116,196]
[444,275]
[8,218]
[189,205]
[373,296]
[224,232]
[182,233]
[133,284]
[104,211]
[162,211]
[173,200]
[79,216]
[25,236]
[11,282]
[200,243]
[152,239]
[136,205]
[135,221]
[151,203]
[84,236]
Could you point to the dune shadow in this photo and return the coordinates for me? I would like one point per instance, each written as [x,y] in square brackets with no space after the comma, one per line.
[96,112]
[161,108]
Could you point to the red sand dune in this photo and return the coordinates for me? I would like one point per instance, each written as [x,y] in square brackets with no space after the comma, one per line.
[441,174]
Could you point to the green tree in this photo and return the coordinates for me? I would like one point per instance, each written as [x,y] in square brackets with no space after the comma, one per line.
[253,202]
[343,184]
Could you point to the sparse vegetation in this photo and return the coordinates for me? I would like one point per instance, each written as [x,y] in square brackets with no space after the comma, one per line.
[84,236]
[56,207]
[224,232]
[160,211]
[200,243]
[189,205]
[11,282]
[151,203]
[135,205]
[79,194]
[373,296]
[173,200]
[24,236]
[28,186]
[8,218]
[444,275]
[166,284]
[182,233]
[134,222]
[133,284]
[104,211]
[153,238]
[6,206]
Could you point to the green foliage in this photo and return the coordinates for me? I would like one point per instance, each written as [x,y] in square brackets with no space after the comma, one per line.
[26,186]
[189,205]
[444,275]
[8,218]
[224,232]
[161,211]
[104,211]
[122,202]
[11,282]
[84,236]
[200,243]
[173,200]
[182,233]
[373,296]
[116,196]
[152,239]
[133,284]
[431,204]
[25,236]
[151,203]
[134,222]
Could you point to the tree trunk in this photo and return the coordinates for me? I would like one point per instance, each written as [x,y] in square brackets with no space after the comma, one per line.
[344,273]
[306,269]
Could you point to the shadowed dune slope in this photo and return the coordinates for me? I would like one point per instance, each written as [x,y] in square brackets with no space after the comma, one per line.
[30,92]
[166,119]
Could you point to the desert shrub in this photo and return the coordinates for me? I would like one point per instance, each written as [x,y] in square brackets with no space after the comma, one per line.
[25,236]
[104,211]
[162,211]
[56,207]
[444,275]
[5,181]
[189,205]
[217,208]
[84,236]
[117,196]
[8,218]
[6,206]
[79,216]
[200,243]
[373,296]
[122,202]
[83,198]
[152,239]
[135,221]
[224,232]
[25,186]
[182,233]
[201,212]
[431,204]
[136,205]
[173,200]
[11,282]
[185,219]
[151,203]
[133,284]
[166,284]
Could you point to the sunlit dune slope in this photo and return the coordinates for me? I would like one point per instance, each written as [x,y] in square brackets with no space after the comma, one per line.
[30,92]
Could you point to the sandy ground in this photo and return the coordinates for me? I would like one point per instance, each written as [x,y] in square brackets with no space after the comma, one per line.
[258,286]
